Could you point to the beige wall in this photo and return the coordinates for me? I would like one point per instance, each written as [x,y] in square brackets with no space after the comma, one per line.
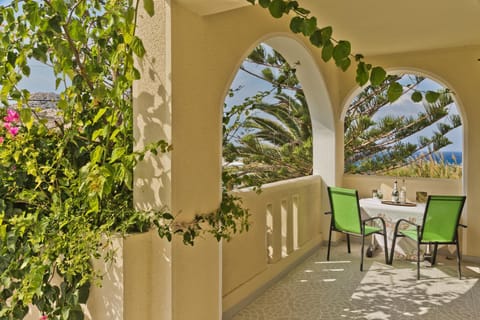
[191,63]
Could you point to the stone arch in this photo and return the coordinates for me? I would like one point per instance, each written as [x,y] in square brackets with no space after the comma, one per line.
[317,96]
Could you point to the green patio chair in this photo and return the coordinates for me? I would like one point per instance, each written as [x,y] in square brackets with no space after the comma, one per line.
[440,224]
[346,218]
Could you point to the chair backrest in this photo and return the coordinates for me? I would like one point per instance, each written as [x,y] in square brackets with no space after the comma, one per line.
[345,209]
[441,218]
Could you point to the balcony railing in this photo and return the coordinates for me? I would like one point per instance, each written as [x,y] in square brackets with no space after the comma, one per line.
[285,226]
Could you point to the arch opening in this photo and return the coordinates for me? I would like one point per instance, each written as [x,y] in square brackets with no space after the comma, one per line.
[404,138]
[314,95]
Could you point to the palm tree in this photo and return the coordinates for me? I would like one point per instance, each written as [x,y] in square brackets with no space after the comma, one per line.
[278,144]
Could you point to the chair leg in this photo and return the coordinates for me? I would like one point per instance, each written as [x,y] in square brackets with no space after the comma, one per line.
[418,260]
[361,254]
[392,250]
[458,259]
[434,253]
[385,246]
[348,243]
[329,242]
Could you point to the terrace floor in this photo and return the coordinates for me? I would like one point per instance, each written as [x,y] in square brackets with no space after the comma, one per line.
[318,289]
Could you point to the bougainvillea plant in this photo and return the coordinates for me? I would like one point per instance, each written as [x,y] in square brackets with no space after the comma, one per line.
[66,182]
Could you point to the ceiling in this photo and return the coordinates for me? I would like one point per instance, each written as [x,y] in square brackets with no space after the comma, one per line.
[383,26]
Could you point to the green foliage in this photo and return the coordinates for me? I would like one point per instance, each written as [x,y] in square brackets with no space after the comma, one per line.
[427,167]
[67,184]
[378,145]
[272,140]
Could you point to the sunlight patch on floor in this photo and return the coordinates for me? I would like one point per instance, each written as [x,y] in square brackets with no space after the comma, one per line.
[385,286]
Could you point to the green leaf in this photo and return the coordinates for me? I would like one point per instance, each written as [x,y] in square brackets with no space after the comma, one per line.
[26,117]
[309,26]
[394,91]
[76,314]
[264,3]
[316,38]
[167,216]
[277,8]
[99,114]
[362,74]
[76,30]
[377,76]
[326,34]
[117,154]
[98,133]
[148,5]
[137,46]
[296,24]
[341,50]
[343,64]
[54,23]
[291,5]
[26,70]
[417,96]
[327,51]
[96,155]
[431,96]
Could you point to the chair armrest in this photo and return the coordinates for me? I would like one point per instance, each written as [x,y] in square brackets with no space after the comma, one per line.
[407,222]
[382,221]
[328,212]
[395,232]
[373,218]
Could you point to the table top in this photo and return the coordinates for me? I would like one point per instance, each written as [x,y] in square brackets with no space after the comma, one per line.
[376,206]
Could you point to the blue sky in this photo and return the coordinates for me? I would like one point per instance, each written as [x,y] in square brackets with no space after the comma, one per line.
[41,79]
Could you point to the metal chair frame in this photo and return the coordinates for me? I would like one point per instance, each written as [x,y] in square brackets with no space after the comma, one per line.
[363,232]
[419,235]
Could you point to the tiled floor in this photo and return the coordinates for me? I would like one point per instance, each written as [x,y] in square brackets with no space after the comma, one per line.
[338,290]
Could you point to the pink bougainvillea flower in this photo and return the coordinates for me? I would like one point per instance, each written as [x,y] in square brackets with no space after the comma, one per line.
[13,131]
[1,140]
[44,317]
[12,116]
[10,128]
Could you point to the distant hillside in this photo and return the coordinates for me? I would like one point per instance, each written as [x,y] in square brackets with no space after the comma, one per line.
[44,100]
[46,105]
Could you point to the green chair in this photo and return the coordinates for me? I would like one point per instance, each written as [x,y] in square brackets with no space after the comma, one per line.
[346,218]
[440,224]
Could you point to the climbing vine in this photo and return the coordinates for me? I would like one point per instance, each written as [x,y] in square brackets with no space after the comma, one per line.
[340,51]
[67,180]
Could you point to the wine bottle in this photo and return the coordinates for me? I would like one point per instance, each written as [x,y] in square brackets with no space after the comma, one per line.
[395,193]
[403,193]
